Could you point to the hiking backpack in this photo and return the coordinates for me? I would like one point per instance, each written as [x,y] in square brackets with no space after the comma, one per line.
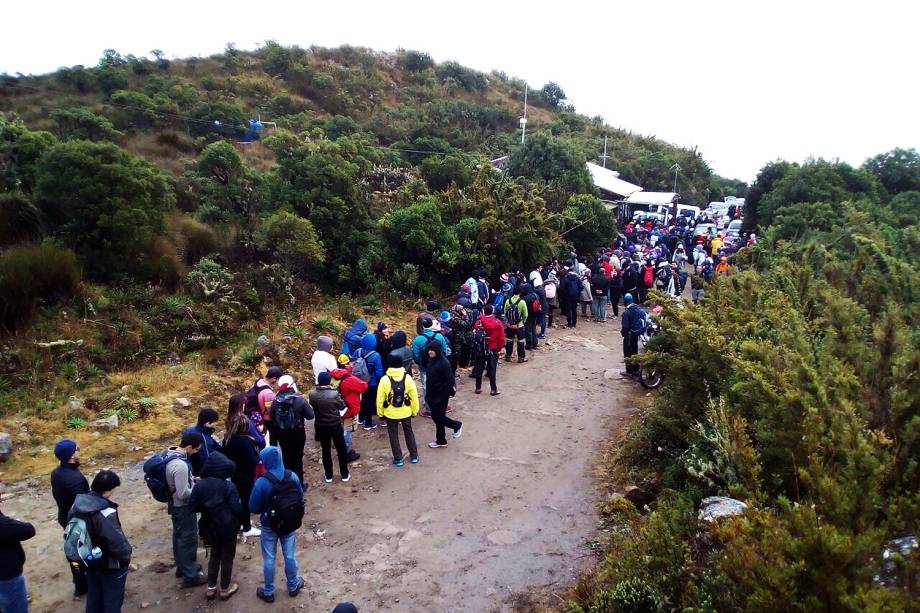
[648,277]
[252,397]
[218,523]
[285,504]
[155,474]
[480,342]
[536,306]
[483,291]
[283,413]
[78,543]
[498,305]
[512,314]
[359,366]
[397,397]
[640,321]
[550,289]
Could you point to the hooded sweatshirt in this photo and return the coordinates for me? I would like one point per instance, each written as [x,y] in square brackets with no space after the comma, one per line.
[351,388]
[105,527]
[214,490]
[440,383]
[323,360]
[385,406]
[353,336]
[368,351]
[261,491]
[398,343]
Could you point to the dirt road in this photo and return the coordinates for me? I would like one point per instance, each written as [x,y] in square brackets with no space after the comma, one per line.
[508,508]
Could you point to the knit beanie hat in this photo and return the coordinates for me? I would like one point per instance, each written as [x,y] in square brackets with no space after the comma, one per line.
[64,449]
[324,378]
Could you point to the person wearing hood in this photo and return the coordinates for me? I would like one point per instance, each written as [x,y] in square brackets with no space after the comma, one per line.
[473,284]
[289,411]
[207,422]
[330,408]
[217,499]
[242,443]
[399,343]
[322,359]
[534,310]
[432,308]
[184,523]
[600,286]
[66,483]
[353,336]
[105,582]
[680,256]
[368,351]
[397,402]
[722,268]
[441,387]
[13,595]
[465,296]
[260,502]
[584,292]
[427,334]
[569,291]
[382,334]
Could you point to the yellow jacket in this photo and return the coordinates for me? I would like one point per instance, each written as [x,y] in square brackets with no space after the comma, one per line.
[385,406]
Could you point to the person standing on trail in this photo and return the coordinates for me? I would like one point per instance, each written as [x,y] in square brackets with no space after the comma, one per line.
[184,523]
[322,359]
[570,290]
[288,412]
[488,340]
[207,421]
[632,326]
[551,291]
[368,352]
[351,388]
[401,348]
[432,308]
[13,595]
[241,446]
[516,313]
[538,284]
[105,582]
[600,287]
[260,396]
[473,283]
[584,293]
[279,500]
[398,403]
[418,351]
[216,498]
[329,407]
[441,387]
[534,309]
[66,483]
[352,339]
[697,285]
[382,335]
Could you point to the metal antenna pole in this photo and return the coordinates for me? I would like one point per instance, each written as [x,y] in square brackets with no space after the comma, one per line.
[524,118]
[604,157]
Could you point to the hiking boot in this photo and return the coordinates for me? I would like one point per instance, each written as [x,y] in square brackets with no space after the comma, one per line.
[297,588]
[195,581]
[458,432]
[232,589]
[624,373]
[435,444]
[179,572]
[398,463]
[353,456]
[211,594]
[261,595]
[424,414]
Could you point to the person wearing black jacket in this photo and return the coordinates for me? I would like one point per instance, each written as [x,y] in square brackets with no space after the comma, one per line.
[13,596]
[530,324]
[291,437]
[599,286]
[243,450]
[66,483]
[218,501]
[106,592]
[438,391]
[329,407]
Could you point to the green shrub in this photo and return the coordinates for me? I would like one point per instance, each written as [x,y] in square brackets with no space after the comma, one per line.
[292,240]
[75,422]
[630,596]
[20,219]
[195,239]
[32,276]
[324,324]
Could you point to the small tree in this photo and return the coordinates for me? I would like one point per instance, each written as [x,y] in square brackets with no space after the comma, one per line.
[552,95]
[293,241]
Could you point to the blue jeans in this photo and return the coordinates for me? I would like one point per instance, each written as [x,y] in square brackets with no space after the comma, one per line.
[422,379]
[269,547]
[106,592]
[347,437]
[13,597]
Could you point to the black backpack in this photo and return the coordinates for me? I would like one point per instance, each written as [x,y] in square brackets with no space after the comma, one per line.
[397,397]
[480,342]
[252,397]
[512,314]
[283,413]
[218,523]
[285,504]
[155,474]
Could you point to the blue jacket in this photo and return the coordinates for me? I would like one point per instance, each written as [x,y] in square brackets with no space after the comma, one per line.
[420,341]
[261,491]
[352,340]
[198,460]
[372,357]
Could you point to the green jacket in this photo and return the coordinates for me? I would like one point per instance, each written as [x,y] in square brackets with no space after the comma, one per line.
[521,305]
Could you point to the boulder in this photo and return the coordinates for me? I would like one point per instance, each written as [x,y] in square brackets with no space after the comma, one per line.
[74,404]
[105,423]
[263,341]
[183,402]
[6,446]
[715,507]
[638,496]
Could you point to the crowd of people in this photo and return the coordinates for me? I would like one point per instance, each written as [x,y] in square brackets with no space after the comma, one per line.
[212,487]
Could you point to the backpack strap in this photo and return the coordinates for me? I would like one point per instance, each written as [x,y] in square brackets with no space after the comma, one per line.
[272,478]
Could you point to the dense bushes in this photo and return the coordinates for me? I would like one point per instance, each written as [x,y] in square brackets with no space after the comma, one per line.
[34,275]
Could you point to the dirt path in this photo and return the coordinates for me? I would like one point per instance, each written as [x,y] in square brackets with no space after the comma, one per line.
[508,508]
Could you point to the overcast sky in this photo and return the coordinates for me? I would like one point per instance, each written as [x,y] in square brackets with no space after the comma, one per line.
[746,82]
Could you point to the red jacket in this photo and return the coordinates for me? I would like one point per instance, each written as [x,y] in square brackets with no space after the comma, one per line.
[351,388]
[495,331]
[608,268]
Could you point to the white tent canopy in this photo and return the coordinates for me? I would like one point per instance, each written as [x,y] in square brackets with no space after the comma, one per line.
[609,181]
[652,198]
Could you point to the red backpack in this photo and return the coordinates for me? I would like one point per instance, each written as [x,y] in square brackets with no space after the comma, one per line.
[648,277]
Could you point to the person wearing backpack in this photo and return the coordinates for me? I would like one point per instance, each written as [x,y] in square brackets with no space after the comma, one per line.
[218,501]
[441,387]
[516,313]
[66,483]
[373,367]
[329,407]
[551,289]
[289,410]
[260,395]
[569,292]
[646,281]
[352,339]
[207,422]
[488,341]
[600,287]
[93,523]
[632,326]
[398,403]
[322,359]
[279,500]
[534,309]
[351,388]
[179,482]
[13,595]
[427,334]
[242,443]
[399,344]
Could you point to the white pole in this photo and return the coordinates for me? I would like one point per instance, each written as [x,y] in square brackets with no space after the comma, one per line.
[604,157]
[524,119]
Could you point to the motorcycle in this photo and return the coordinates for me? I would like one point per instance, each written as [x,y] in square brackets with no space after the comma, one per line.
[649,376]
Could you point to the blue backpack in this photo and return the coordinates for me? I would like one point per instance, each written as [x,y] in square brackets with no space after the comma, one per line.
[499,303]
[640,321]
